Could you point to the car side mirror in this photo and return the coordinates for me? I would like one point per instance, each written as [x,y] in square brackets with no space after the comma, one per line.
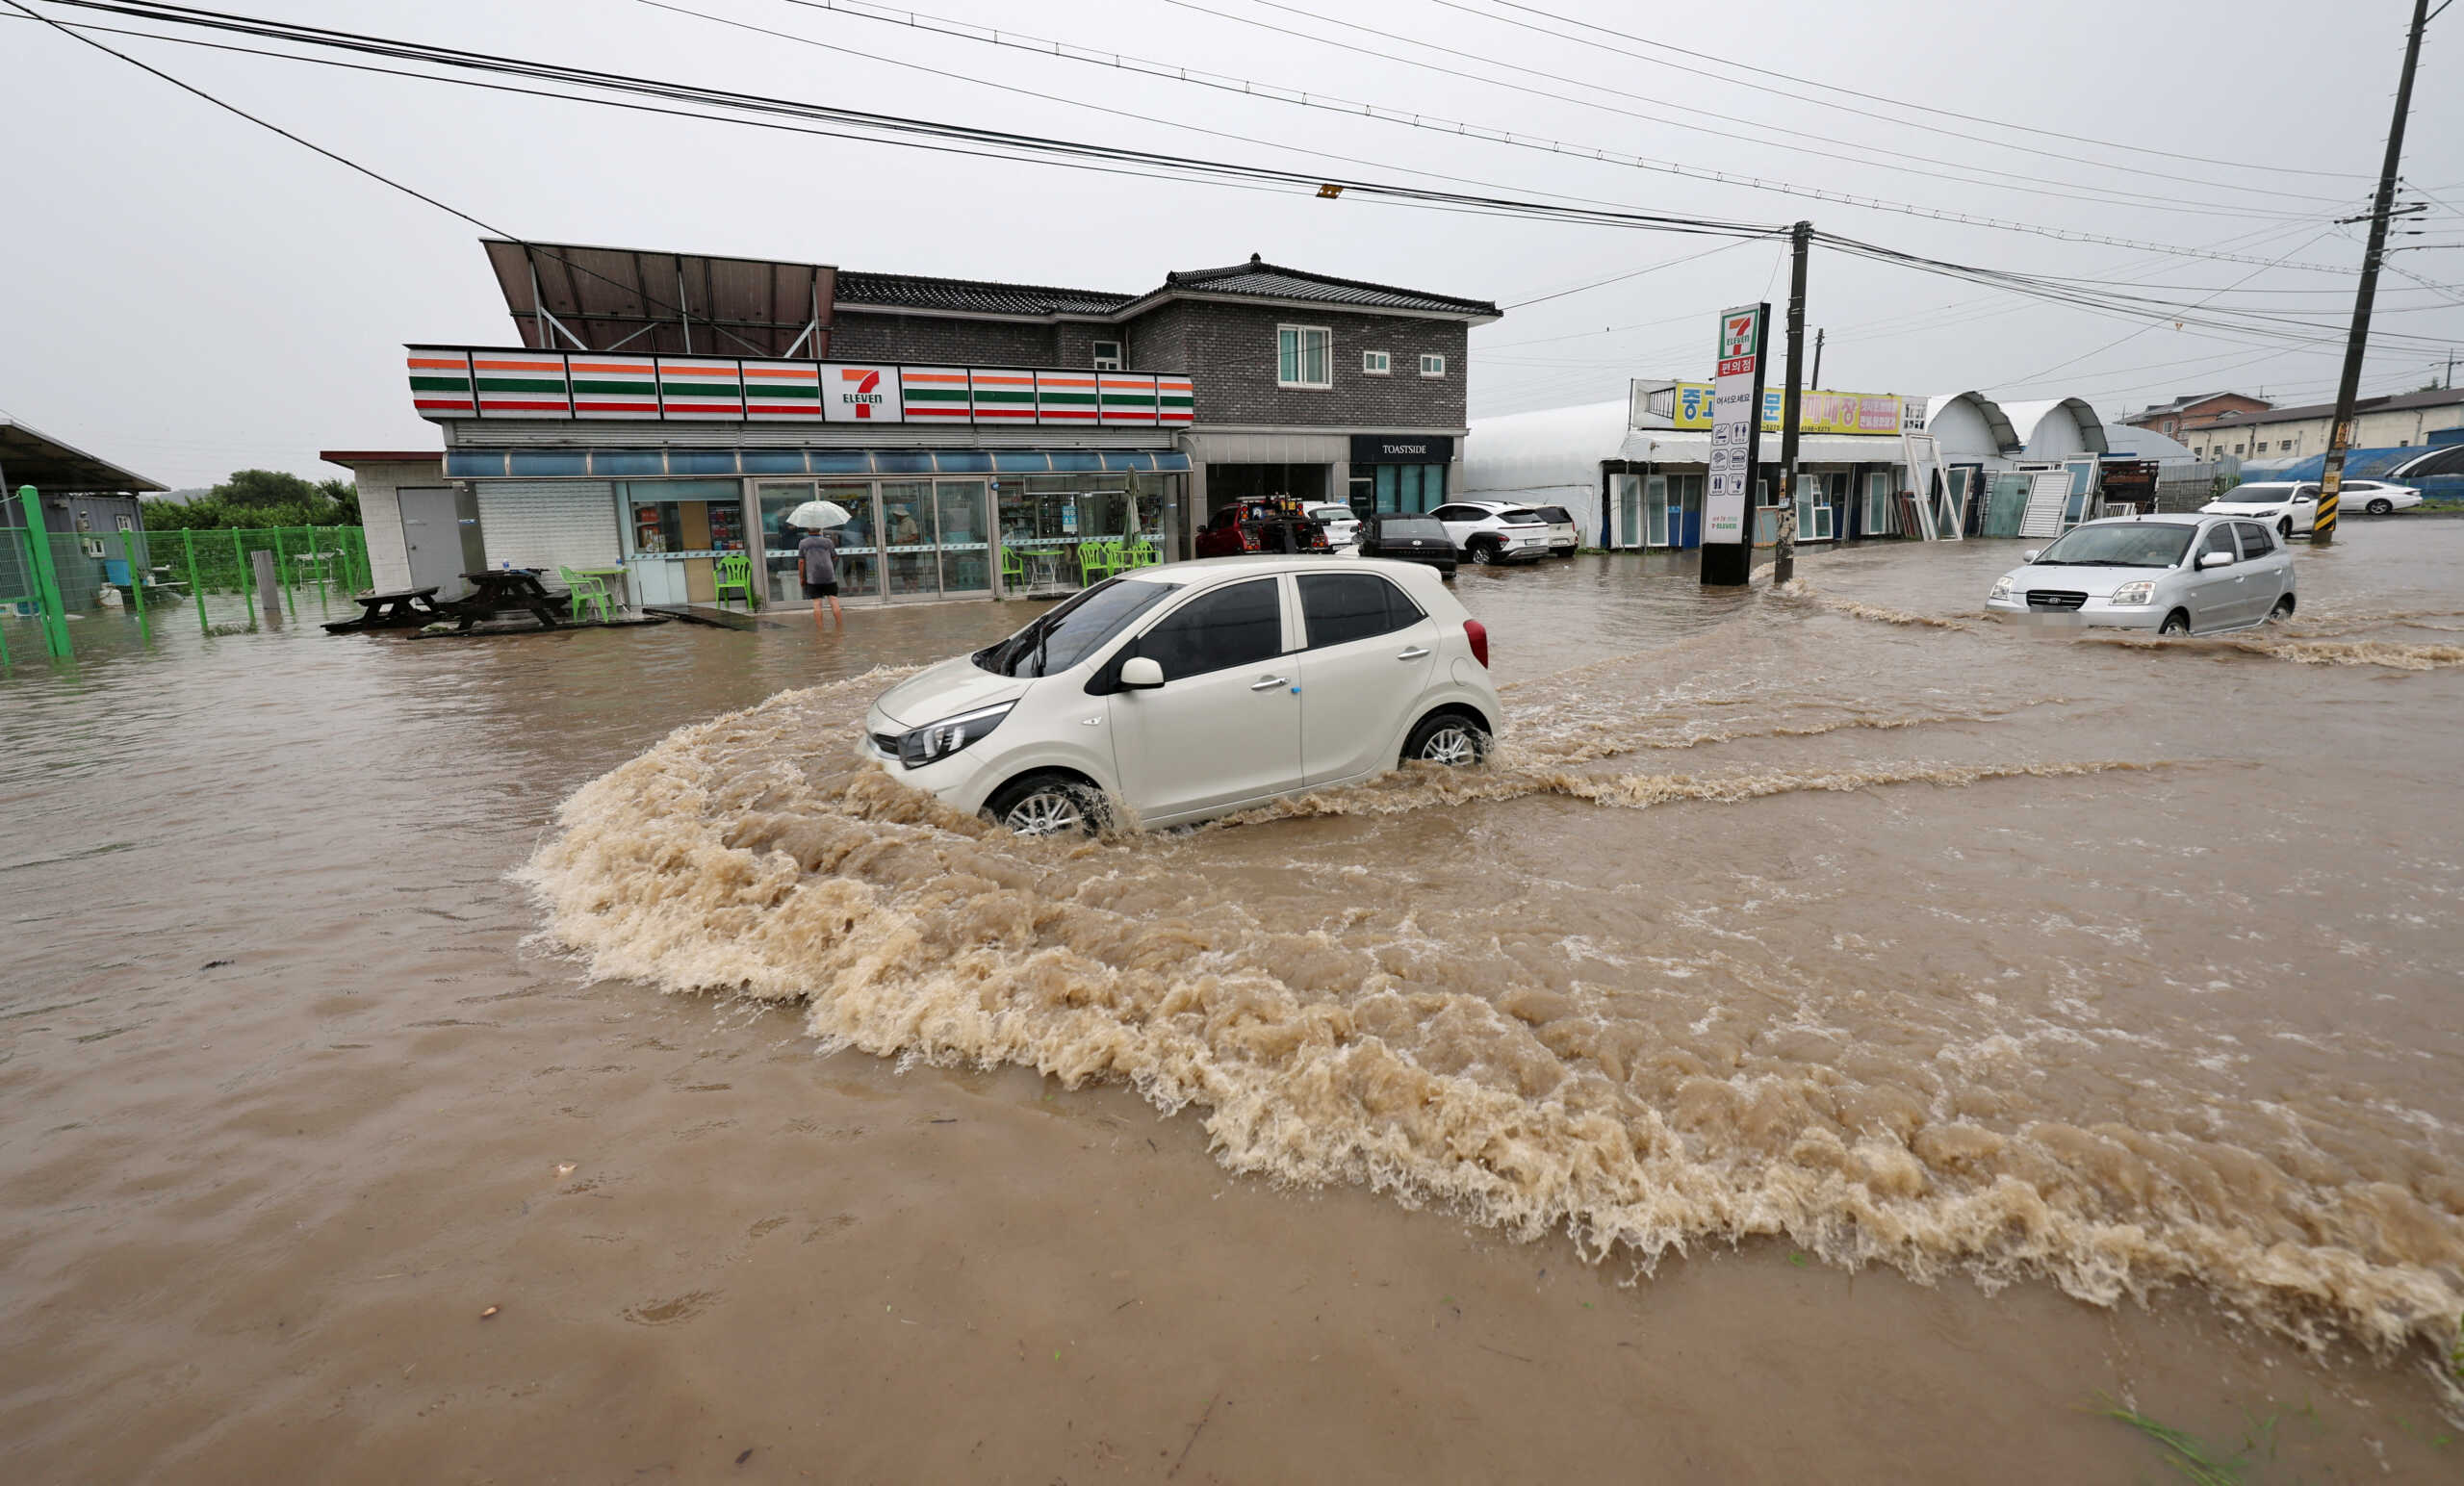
[2030,555]
[2215,560]
[1140,673]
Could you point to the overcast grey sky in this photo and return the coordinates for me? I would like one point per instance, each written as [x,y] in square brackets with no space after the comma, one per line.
[187,293]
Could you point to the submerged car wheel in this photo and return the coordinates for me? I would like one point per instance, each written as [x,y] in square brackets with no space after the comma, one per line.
[2283,609]
[2284,527]
[1044,804]
[1484,552]
[2382,507]
[1448,739]
[2177,621]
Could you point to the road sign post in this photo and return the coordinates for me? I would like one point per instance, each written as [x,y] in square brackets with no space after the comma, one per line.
[1736,429]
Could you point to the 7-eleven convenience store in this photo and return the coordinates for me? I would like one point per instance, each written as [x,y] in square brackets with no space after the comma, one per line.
[664,412]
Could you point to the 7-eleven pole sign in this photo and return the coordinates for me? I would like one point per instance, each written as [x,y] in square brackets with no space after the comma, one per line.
[1736,418]
[866,395]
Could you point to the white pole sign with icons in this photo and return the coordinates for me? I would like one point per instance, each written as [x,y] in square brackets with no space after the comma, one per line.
[1736,418]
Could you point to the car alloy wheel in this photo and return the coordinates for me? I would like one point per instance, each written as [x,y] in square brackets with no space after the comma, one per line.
[2176,622]
[1050,805]
[1484,552]
[2380,507]
[2283,609]
[1448,739]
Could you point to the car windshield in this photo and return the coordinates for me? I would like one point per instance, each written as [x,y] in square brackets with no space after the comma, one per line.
[2122,545]
[1404,528]
[2255,495]
[1556,515]
[1330,513]
[1064,636]
[1518,517]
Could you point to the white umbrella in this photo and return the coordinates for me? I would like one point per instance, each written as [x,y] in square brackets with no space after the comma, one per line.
[819,515]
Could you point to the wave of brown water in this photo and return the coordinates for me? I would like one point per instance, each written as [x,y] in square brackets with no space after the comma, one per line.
[1528,1075]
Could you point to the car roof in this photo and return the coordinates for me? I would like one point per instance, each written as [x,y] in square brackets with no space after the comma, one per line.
[2152,517]
[1217,570]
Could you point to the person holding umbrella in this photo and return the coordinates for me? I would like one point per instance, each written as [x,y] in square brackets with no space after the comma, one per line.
[817,556]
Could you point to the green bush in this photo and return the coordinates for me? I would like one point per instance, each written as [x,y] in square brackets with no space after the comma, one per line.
[259,497]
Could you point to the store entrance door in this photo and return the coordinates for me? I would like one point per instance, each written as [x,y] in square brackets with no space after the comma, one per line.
[905,540]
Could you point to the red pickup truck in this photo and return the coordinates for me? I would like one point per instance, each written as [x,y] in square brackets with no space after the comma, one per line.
[1261,527]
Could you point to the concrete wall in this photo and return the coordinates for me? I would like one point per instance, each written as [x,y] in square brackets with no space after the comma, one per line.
[2296,438]
[388,564]
[548,523]
[864,335]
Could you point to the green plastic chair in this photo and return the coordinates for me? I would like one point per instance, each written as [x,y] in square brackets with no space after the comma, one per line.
[582,590]
[1099,560]
[735,571]
[1013,568]
[1140,553]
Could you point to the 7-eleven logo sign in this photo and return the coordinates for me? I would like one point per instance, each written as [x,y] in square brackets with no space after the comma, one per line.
[1739,333]
[865,395]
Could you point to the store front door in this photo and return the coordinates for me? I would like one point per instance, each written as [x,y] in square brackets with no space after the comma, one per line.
[905,540]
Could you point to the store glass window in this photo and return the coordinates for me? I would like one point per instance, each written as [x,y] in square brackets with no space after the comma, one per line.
[1411,490]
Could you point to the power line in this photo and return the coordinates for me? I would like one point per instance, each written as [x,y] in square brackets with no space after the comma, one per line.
[2050,133]
[1047,47]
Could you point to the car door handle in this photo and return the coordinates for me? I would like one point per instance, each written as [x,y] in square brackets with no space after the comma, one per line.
[1416,652]
[1269,683]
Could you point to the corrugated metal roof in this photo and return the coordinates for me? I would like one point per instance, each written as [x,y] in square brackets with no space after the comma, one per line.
[978,296]
[29,456]
[631,299]
[1272,281]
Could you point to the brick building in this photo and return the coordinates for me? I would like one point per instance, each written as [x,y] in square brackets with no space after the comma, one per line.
[2174,419]
[667,411]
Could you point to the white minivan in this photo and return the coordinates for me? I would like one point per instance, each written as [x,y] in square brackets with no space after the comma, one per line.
[1196,689]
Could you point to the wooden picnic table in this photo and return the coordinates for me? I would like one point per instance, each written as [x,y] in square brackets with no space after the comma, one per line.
[396,610]
[504,588]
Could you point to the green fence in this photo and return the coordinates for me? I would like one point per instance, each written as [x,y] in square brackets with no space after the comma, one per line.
[46,577]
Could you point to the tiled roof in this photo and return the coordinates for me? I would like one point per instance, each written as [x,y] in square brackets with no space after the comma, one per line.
[2403,402]
[1254,279]
[974,296]
[1270,281]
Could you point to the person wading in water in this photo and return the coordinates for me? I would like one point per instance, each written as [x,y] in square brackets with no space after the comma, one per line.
[817,559]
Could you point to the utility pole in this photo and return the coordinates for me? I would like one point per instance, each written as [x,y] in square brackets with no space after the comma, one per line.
[2331,479]
[1816,379]
[1784,566]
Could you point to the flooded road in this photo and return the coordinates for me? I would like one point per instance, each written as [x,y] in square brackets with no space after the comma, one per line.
[1839,1036]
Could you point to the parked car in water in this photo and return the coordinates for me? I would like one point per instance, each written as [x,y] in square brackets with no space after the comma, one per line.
[2379,497]
[1565,538]
[2175,575]
[1196,689]
[1493,531]
[1261,527]
[1342,525]
[1407,538]
[2286,506]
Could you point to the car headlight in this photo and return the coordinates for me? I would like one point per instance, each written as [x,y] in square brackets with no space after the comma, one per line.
[2134,592]
[920,746]
[2001,590]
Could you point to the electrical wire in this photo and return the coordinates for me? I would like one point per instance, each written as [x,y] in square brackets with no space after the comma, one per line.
[2050,133]
[1250,88]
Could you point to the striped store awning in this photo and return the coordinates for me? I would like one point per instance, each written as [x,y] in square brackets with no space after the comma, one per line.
[487,464]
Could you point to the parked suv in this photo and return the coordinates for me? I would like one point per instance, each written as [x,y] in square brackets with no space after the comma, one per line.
[1492,531]
[1261,527]
[1195,689]
[2287,507]
[1564,537]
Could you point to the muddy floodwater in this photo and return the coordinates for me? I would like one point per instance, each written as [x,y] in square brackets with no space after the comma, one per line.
[1839,1037]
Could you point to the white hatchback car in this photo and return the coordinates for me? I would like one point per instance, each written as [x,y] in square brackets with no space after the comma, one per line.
[1196,689]
[1342,525]
[2175,575]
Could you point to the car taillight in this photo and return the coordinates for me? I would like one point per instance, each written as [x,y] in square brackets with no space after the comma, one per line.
[1479,634]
